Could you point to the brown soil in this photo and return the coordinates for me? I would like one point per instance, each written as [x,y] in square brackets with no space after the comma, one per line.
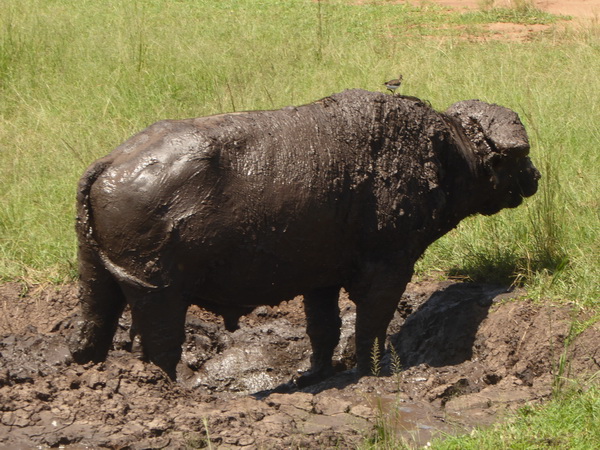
[575,13]
[469,354]
[580,9]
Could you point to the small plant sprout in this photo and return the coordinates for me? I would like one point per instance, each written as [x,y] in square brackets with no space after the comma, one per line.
[376,358]
[396,363]
[396,366]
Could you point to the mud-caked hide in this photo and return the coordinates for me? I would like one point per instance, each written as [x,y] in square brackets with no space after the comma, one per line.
[238,210]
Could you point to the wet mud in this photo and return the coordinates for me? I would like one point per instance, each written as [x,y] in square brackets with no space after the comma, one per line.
[464,355]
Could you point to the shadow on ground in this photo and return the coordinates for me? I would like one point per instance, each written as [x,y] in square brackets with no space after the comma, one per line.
[442,331]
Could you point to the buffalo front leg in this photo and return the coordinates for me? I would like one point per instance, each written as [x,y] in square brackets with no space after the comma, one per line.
[371,332]
[323,328]
[374,311]
[102,302]
[159,319]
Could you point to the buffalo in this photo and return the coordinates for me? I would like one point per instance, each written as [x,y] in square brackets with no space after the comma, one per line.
[232,211]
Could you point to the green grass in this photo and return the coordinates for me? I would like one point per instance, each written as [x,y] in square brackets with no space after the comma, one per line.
[78,78]
[571,420]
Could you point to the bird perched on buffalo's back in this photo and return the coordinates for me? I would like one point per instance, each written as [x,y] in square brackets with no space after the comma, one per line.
[394,84]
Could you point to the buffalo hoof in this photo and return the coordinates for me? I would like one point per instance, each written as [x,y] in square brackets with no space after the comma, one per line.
[88,343]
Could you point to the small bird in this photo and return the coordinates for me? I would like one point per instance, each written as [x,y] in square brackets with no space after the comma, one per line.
[392,85]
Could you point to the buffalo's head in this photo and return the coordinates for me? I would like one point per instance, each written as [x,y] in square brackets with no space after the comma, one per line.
[500,146]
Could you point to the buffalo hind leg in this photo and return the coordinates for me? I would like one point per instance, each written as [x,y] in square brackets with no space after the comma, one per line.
[159,319]
[323,328]
[102,302]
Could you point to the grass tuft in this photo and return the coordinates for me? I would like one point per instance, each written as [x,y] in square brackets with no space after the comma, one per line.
[517,11]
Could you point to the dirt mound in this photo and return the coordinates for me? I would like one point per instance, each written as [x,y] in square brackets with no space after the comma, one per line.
[468,353]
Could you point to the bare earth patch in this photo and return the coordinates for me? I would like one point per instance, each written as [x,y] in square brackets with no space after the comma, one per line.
[469,354]
[515,31]
[581,9]
[579,12]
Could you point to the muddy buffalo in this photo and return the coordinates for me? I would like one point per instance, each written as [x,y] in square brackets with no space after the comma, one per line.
[238,210]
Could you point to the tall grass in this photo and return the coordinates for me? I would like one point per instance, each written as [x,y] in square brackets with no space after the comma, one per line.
[78,78]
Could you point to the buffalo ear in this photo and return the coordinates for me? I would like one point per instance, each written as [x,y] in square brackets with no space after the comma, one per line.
[503,130]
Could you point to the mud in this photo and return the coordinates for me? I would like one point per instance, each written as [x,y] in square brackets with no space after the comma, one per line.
[469,353]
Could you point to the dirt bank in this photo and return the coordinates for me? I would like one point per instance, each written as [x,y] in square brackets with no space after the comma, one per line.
[468,352]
